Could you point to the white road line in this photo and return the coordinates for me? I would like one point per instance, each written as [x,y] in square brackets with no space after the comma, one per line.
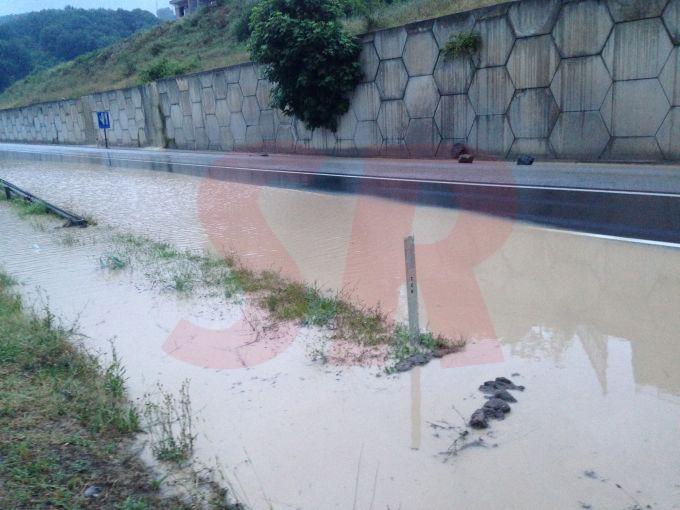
[370,177]
[605,236]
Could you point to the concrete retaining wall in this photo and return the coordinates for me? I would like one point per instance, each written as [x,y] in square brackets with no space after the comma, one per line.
[571,79]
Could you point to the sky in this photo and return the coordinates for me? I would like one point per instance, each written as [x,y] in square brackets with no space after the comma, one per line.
[19,6]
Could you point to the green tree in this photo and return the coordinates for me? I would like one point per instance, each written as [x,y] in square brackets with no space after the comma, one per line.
[311,60]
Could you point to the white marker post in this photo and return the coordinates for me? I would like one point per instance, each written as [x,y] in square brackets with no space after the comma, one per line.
[412,290]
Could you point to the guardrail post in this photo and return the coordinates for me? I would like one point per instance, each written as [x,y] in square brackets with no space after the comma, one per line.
[8,193]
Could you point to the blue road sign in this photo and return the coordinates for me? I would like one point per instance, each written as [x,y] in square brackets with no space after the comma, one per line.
[103,119]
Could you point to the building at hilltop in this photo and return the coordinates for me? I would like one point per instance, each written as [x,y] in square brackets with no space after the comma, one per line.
[184,7]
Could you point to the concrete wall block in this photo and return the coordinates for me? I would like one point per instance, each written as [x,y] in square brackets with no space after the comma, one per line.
[579,135]
[491,135]
[285,138]
[628,10]
[533,17]
[393,119]
[537,147]
[420,53]
[237,125]
[390,43]
[222,112]
[234,97]
[581,84]
[369,61]
[323,140]
[454,116]
[226,139]
[345,148]
[347,126]
[268,124]
[637,49]
[639,107]
[368,138]
[422,138]
[302,132]
[254,140]
[366,101]
[391,79]
[445,28]
[533,62]
[248,79]
[185,102]
[491,91]
[670,78]
[251,110]
[201,141]
[188,129]
[263,93]
[212,128]
[394,149]
[533,113]
[497,41]
[669,135]
[671,18]
[582,28]
[453,76]
[421,97]
[232,74]
[194,89]
[208,101]
[220,85]
[206,79]
[633,149]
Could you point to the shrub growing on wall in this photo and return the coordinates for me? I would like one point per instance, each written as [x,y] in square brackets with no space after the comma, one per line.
[308,56]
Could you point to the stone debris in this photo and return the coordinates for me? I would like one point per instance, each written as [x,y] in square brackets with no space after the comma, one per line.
[497,404]
[525,159]
[412,361]
[466,158]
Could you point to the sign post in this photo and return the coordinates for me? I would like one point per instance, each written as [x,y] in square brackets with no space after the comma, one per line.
[104,123]
[411,290]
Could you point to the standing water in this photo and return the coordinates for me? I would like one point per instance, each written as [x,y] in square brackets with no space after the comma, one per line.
[589,324]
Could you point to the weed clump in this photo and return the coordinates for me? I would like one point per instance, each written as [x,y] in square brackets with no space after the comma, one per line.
[462,44]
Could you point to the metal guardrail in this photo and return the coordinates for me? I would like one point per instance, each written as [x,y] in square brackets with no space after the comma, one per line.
[71,219]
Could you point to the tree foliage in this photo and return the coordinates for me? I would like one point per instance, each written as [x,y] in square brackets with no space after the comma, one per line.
[38,40]
[312,61]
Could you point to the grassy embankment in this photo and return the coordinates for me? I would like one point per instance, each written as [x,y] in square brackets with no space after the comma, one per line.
[207,40]
[65,422]
[67,429]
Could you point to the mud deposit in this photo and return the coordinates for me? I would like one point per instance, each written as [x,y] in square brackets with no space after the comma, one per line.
[591,325]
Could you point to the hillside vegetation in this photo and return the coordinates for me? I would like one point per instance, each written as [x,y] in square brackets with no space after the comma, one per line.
[39,40]
[209,39]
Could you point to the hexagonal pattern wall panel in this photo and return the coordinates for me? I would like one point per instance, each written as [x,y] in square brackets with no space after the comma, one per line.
[366,101]
[491,134]
[390,43]
[454,116]
[445,28]
[453,76]
[422,138]
[637,49]
[639,107]
[369,61]
[670,77]
[669,135]
[581,84]
[420,53]
[421,97]
[391,79]
[534,17]
[582,28]
[491,91]
[497,41]
[533,113]
[579,134]
[628,10]
[533,62]
[671,18]
[393,119]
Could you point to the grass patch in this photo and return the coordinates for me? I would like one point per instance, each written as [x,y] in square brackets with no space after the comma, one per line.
[26,208]
[65,421]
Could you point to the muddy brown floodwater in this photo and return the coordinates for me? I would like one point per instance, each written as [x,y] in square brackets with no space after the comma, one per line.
[591,325]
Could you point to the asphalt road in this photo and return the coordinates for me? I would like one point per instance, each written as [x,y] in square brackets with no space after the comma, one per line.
[640,201]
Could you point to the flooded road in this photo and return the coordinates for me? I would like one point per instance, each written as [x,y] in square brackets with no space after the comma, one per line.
[590,324]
